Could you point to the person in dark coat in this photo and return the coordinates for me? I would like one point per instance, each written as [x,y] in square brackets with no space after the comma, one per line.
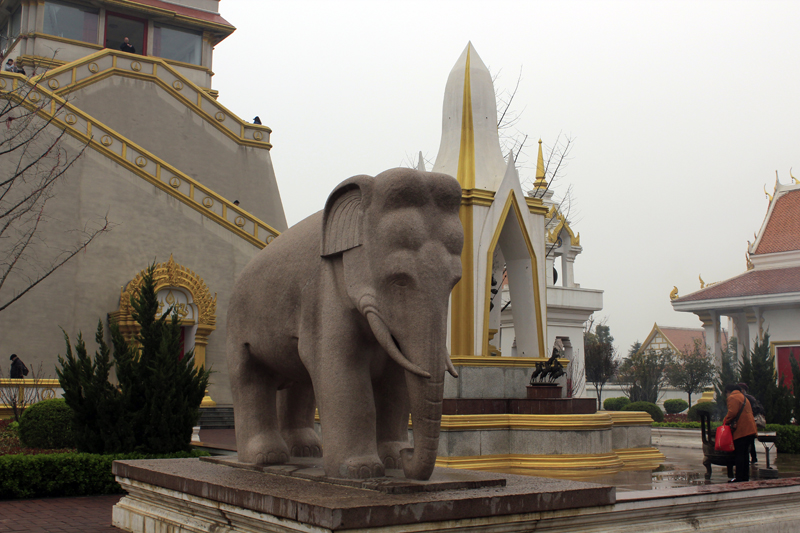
[744,434]
[126,46]
[18,368]
[758,409]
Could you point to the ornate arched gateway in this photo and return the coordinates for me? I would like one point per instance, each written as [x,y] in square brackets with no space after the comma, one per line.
[181,288]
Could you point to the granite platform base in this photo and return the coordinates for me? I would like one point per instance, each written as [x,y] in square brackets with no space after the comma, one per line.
[189,495]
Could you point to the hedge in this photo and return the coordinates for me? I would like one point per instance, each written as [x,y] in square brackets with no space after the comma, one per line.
[652,409]
[788,436]
[709,407]
[615,404]
[675,406]
[66,474]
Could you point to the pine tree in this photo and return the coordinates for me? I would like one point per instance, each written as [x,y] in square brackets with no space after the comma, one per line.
[159,394]
[758,371]
[692,371]
[729,373]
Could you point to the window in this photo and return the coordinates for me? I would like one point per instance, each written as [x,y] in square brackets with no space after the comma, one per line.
[119,26]
[70,21]
[16,23]
[177,44]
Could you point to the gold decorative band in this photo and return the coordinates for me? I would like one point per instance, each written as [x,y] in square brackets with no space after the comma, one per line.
[485,360]
[631,418]
[520,463]
[597,421]
[640,458]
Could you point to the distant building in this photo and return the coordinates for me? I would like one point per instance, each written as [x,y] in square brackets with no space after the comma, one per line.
[766,297]
[676,339]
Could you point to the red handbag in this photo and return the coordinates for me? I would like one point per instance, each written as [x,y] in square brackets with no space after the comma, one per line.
[724,439]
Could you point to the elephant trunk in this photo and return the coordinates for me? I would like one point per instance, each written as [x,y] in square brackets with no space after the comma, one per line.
[425,397]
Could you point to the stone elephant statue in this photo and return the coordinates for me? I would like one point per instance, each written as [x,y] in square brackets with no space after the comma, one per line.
[348,310]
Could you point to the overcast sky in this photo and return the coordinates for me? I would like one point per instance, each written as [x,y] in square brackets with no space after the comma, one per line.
[680,114]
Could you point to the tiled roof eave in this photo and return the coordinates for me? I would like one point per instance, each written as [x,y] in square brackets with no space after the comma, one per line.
[734,302]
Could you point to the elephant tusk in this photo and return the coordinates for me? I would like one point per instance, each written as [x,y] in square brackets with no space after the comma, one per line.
[387,343]
[450,368]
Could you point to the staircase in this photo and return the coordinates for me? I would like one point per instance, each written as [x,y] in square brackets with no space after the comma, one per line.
[216,418]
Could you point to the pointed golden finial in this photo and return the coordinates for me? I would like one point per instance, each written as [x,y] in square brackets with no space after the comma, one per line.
[769,196]
[674,294]
[794,180]
[702,283]
[540,182]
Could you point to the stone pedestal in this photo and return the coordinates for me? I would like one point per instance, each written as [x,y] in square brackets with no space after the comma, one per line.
[190,495]
[542,391]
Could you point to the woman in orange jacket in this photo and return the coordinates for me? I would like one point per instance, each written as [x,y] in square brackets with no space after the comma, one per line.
[740,414]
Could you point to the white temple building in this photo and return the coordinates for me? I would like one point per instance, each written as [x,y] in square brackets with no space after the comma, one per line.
[764,298]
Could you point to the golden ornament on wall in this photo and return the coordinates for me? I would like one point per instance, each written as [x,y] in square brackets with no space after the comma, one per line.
[141,162]
[208,202]
[239,221]
[71,119]
[220,116]
[172,274]
[93,68]
[35,97]
[2,84]
[270,238]
[177,85]
[136,66]
[175,182]
[258,135]
[105,140]
[53,84]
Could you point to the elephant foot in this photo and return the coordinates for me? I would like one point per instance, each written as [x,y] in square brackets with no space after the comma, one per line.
[361,468]
[389,452]
[264,449]
[303,442]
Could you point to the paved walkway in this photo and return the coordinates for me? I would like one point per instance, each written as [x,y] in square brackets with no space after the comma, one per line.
[85,514]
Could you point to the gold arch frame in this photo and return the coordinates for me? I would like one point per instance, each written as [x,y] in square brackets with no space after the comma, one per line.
[511,205]
[172,274]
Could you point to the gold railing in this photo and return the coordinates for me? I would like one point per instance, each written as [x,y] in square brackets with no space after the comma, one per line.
[105,63]
[135,159]
[25,392]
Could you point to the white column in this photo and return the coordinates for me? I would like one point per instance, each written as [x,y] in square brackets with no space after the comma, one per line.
[550,263]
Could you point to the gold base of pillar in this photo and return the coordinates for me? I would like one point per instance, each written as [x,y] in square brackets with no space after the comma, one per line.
[207,401]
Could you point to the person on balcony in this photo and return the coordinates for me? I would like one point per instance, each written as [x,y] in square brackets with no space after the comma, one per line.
[126,46]
[18,368]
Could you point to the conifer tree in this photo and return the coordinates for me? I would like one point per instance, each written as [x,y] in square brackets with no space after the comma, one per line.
[159,394]
[758,371]
[729,373]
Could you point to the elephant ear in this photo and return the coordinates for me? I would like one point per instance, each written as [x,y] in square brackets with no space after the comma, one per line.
[341,221]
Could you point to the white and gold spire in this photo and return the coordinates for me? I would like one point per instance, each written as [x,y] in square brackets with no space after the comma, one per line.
[470,145]
[541,182]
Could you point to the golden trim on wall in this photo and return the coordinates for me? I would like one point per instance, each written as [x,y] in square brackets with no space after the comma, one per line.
[514,421]
[161,67]
[565,464]
[501,362]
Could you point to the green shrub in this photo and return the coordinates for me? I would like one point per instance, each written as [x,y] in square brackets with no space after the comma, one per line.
[652,409]
[65,474]
[673,407]
[615,404]
[708,407]
[47,424]
[788,437]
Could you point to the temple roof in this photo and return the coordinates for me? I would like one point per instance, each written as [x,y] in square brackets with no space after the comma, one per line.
[751,283]
[782,231]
